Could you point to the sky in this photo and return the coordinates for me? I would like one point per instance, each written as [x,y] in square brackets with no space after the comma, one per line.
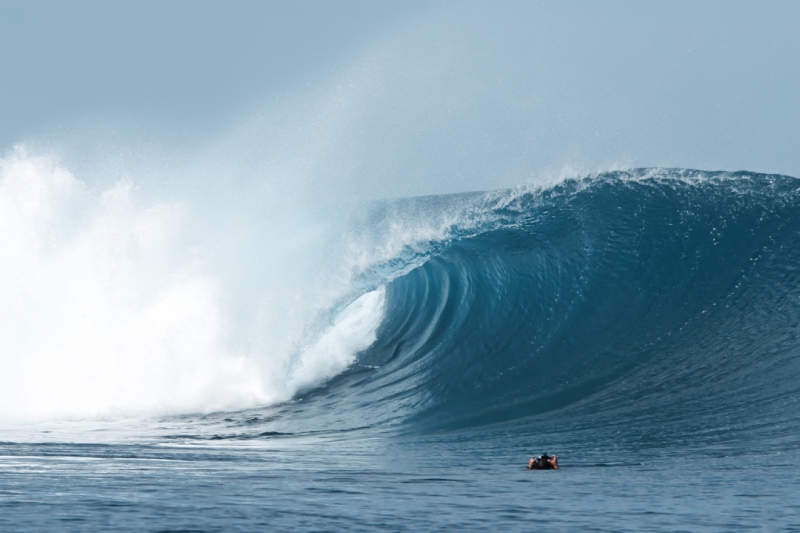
[385,99]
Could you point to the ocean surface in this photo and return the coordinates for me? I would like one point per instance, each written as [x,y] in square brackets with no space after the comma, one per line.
[643,325]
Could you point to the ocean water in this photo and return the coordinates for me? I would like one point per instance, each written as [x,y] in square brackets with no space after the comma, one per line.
[642,325]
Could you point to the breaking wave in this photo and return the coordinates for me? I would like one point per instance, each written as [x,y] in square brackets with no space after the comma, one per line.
[664,298]
[654,298]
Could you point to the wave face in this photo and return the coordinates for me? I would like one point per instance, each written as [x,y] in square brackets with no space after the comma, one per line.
[666,296]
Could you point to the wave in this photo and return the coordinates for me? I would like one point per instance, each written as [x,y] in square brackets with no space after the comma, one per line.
[652,295]
[666,298]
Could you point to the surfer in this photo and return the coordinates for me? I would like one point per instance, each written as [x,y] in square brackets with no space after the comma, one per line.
[543,462]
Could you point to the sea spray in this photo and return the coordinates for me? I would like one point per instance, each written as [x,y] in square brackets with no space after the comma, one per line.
[115,306]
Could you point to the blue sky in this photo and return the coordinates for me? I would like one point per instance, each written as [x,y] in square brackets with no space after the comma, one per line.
[400,98]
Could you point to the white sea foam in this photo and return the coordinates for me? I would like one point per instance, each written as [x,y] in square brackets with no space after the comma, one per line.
[354,330]
[110,306]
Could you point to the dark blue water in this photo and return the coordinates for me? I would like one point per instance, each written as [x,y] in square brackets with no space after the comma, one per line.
[642,325]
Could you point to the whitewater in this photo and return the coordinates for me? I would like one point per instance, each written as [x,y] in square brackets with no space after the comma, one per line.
[179,362]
